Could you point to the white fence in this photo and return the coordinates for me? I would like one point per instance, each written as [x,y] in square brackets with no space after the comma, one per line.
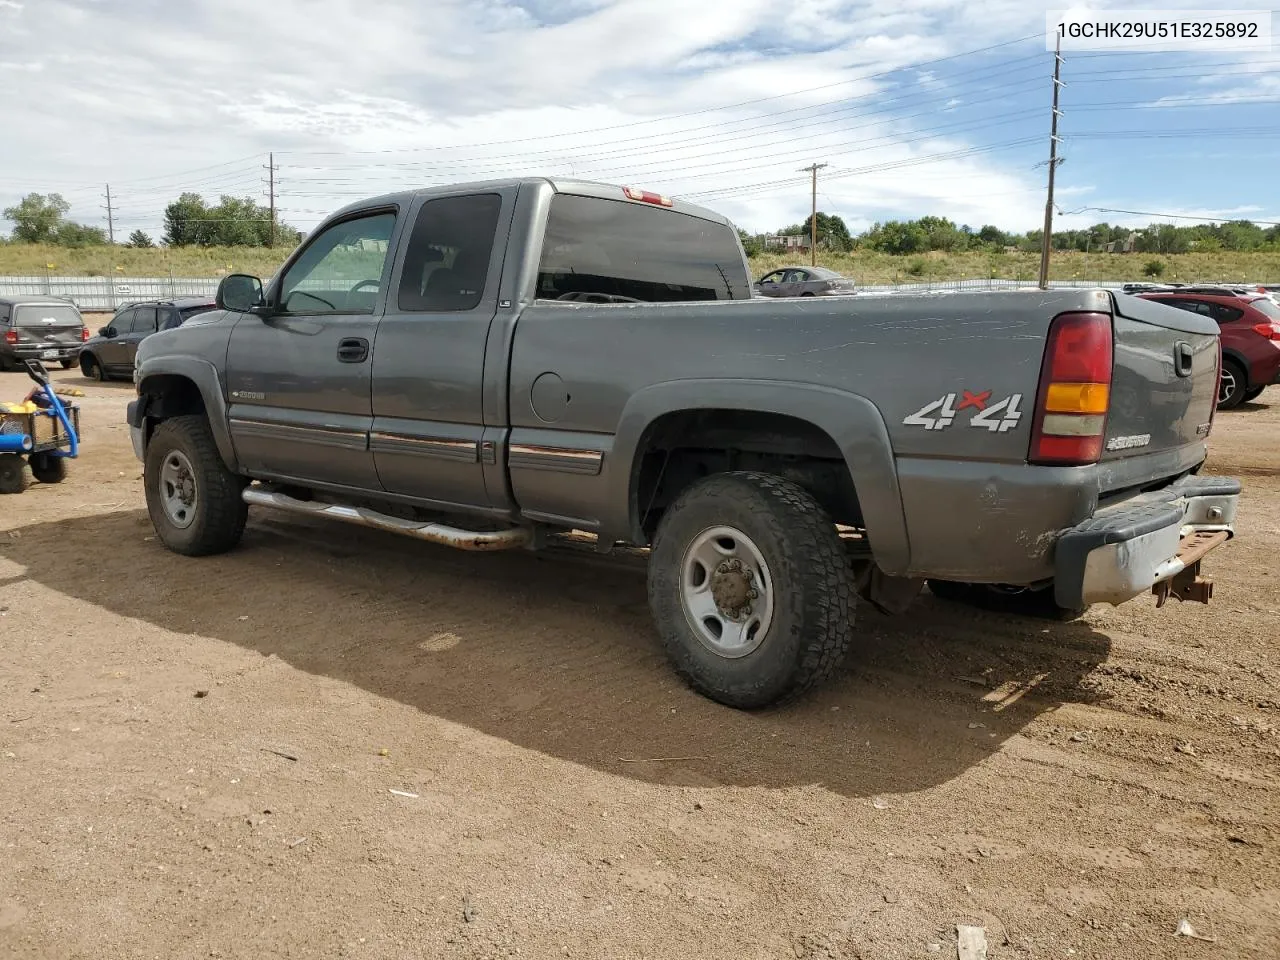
[107,293]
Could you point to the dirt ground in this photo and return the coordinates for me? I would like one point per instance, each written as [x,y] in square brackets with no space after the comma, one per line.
[199,758]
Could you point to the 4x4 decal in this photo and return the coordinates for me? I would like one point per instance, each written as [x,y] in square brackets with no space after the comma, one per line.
[999,417]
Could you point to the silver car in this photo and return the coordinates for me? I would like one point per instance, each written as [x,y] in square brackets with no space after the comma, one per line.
[803,282]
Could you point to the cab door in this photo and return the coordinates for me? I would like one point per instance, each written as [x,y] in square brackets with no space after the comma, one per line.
[429,412]
[299,380]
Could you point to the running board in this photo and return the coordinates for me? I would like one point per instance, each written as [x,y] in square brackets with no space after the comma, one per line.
[487,541]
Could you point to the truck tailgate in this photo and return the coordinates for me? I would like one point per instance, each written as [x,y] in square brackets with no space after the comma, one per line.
[1164,379]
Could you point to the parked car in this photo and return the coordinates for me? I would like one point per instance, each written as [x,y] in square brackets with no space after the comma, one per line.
[424,364]
[803,282]
[111,352]
[1250,325]
[39,328]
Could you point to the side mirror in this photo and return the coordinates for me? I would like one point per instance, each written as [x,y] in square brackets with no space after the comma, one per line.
[107,332]
[239,292]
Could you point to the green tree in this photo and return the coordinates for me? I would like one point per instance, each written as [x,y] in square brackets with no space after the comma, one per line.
[78,235]
[233,222]
[36,217]
[139,238]
[833,233]
[897,237]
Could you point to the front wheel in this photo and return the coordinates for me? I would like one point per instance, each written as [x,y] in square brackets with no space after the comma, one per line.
[750,589]
[193,499]
[1254,394]
[91,368]
[68,363]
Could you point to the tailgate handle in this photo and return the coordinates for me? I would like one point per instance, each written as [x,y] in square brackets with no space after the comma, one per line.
[1182,358]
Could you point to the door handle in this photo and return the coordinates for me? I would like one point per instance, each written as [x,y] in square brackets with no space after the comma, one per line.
[353,350]
[1183,358]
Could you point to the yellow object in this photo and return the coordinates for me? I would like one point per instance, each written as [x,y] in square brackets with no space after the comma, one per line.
[1077,398]
[27,407]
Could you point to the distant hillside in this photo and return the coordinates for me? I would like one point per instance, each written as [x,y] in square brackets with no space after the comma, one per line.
[865,266]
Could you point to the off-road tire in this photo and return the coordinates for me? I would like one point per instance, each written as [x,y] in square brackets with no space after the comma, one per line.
[47,468]
[11,478]
[814,593]
[219,513]
[1236,396]
[1039,604]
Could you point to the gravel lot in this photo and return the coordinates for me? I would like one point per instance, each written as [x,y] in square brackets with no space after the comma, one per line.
[199,758]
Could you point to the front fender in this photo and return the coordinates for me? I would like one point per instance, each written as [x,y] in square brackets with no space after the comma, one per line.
[852,421]
[204,375]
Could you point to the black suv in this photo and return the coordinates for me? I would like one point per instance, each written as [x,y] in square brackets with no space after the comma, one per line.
[39,328]
[111,352]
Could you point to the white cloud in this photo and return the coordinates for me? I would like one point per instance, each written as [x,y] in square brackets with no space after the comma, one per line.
[356,98]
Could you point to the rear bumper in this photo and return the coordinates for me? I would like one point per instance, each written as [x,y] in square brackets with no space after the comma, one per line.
[1153,542]
[37,351]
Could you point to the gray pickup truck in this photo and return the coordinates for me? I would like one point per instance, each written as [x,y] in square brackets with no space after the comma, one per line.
[487,364]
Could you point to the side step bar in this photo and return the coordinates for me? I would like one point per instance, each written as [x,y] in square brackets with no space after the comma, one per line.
[486,541]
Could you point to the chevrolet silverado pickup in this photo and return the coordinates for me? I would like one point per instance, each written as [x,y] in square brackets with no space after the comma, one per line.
[485,365]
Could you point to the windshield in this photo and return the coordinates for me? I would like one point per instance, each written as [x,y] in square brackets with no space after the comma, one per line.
[1267,307]
[46,315]
[822,273]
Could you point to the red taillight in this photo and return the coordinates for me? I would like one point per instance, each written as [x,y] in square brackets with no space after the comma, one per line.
[11,336]
[1075,391]
[84,334]
[645,196]
[1270,330]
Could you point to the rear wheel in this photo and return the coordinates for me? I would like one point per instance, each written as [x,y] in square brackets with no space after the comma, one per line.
[91,368]
[750,589]
[1233,387]
[11,480]
[193,499]
[68,363]
[47,468]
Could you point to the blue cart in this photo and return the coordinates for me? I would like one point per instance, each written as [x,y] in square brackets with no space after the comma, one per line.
[44,439]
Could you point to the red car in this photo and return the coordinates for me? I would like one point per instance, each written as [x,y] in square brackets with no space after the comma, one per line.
[1250,325]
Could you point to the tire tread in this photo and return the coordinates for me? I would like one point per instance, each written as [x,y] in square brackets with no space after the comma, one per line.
[221,524]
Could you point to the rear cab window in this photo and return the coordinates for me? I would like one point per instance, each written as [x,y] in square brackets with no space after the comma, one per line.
[624,251]
[46,315]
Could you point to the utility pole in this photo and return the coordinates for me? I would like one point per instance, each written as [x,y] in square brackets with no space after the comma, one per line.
[1046,241]
[813,218]
[111,222]
[271,194]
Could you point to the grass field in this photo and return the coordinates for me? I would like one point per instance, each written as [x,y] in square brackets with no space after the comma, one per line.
[18,259]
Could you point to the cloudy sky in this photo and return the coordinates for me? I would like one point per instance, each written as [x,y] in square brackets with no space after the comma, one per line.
[917,106]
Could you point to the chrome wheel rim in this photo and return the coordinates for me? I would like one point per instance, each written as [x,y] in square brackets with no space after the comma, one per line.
[178,496]
[727,592]
[1227,386]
